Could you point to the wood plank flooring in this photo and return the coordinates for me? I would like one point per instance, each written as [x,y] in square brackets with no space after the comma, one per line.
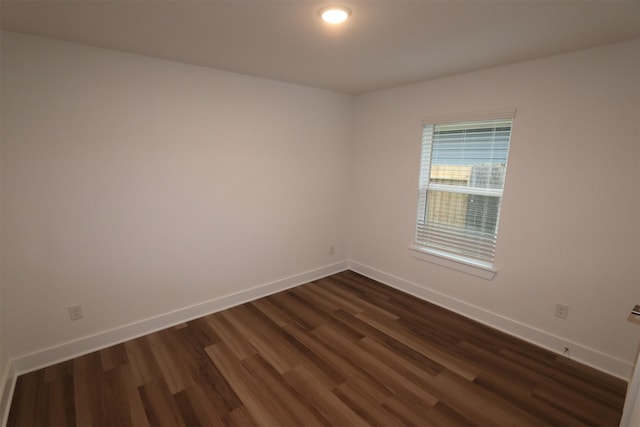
[341,351]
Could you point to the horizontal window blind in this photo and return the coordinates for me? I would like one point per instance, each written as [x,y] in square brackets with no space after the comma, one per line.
[462,173]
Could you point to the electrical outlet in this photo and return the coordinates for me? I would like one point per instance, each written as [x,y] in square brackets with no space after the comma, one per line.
[562,311]
[331,250]
[75,313]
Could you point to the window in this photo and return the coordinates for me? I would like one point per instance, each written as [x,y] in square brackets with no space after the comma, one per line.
[462,174]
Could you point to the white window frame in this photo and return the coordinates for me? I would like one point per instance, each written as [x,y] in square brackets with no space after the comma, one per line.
[450,260]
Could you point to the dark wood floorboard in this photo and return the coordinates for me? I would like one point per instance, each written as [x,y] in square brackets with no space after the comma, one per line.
[340,351]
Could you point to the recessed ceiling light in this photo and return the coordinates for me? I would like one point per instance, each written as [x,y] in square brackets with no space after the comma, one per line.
[334,14]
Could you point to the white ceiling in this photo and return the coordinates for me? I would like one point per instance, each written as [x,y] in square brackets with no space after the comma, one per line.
[384,44]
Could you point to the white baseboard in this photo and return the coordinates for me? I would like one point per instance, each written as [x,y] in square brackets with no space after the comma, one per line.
[65,351]
[556,344]
[7,385]
[46,357]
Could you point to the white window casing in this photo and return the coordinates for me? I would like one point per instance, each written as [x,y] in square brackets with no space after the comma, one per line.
[462,174]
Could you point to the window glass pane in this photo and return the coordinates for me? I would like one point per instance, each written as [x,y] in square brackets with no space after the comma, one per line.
[462,176]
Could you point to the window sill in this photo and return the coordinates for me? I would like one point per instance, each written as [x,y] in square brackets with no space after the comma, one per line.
[452,262]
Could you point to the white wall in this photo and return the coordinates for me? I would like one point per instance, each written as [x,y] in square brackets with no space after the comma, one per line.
[136,186]
[4,361]
[5,380]
[569,225]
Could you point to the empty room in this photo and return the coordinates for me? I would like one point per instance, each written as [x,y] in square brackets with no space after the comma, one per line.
[305,213]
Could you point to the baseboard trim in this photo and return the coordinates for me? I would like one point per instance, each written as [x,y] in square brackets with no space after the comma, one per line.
[554,343]
[49,356]
[7,385]
[65,351]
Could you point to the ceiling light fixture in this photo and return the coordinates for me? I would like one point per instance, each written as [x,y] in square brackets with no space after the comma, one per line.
[334,14]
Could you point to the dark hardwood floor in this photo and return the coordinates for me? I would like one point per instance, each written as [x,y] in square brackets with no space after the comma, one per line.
[341,351]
